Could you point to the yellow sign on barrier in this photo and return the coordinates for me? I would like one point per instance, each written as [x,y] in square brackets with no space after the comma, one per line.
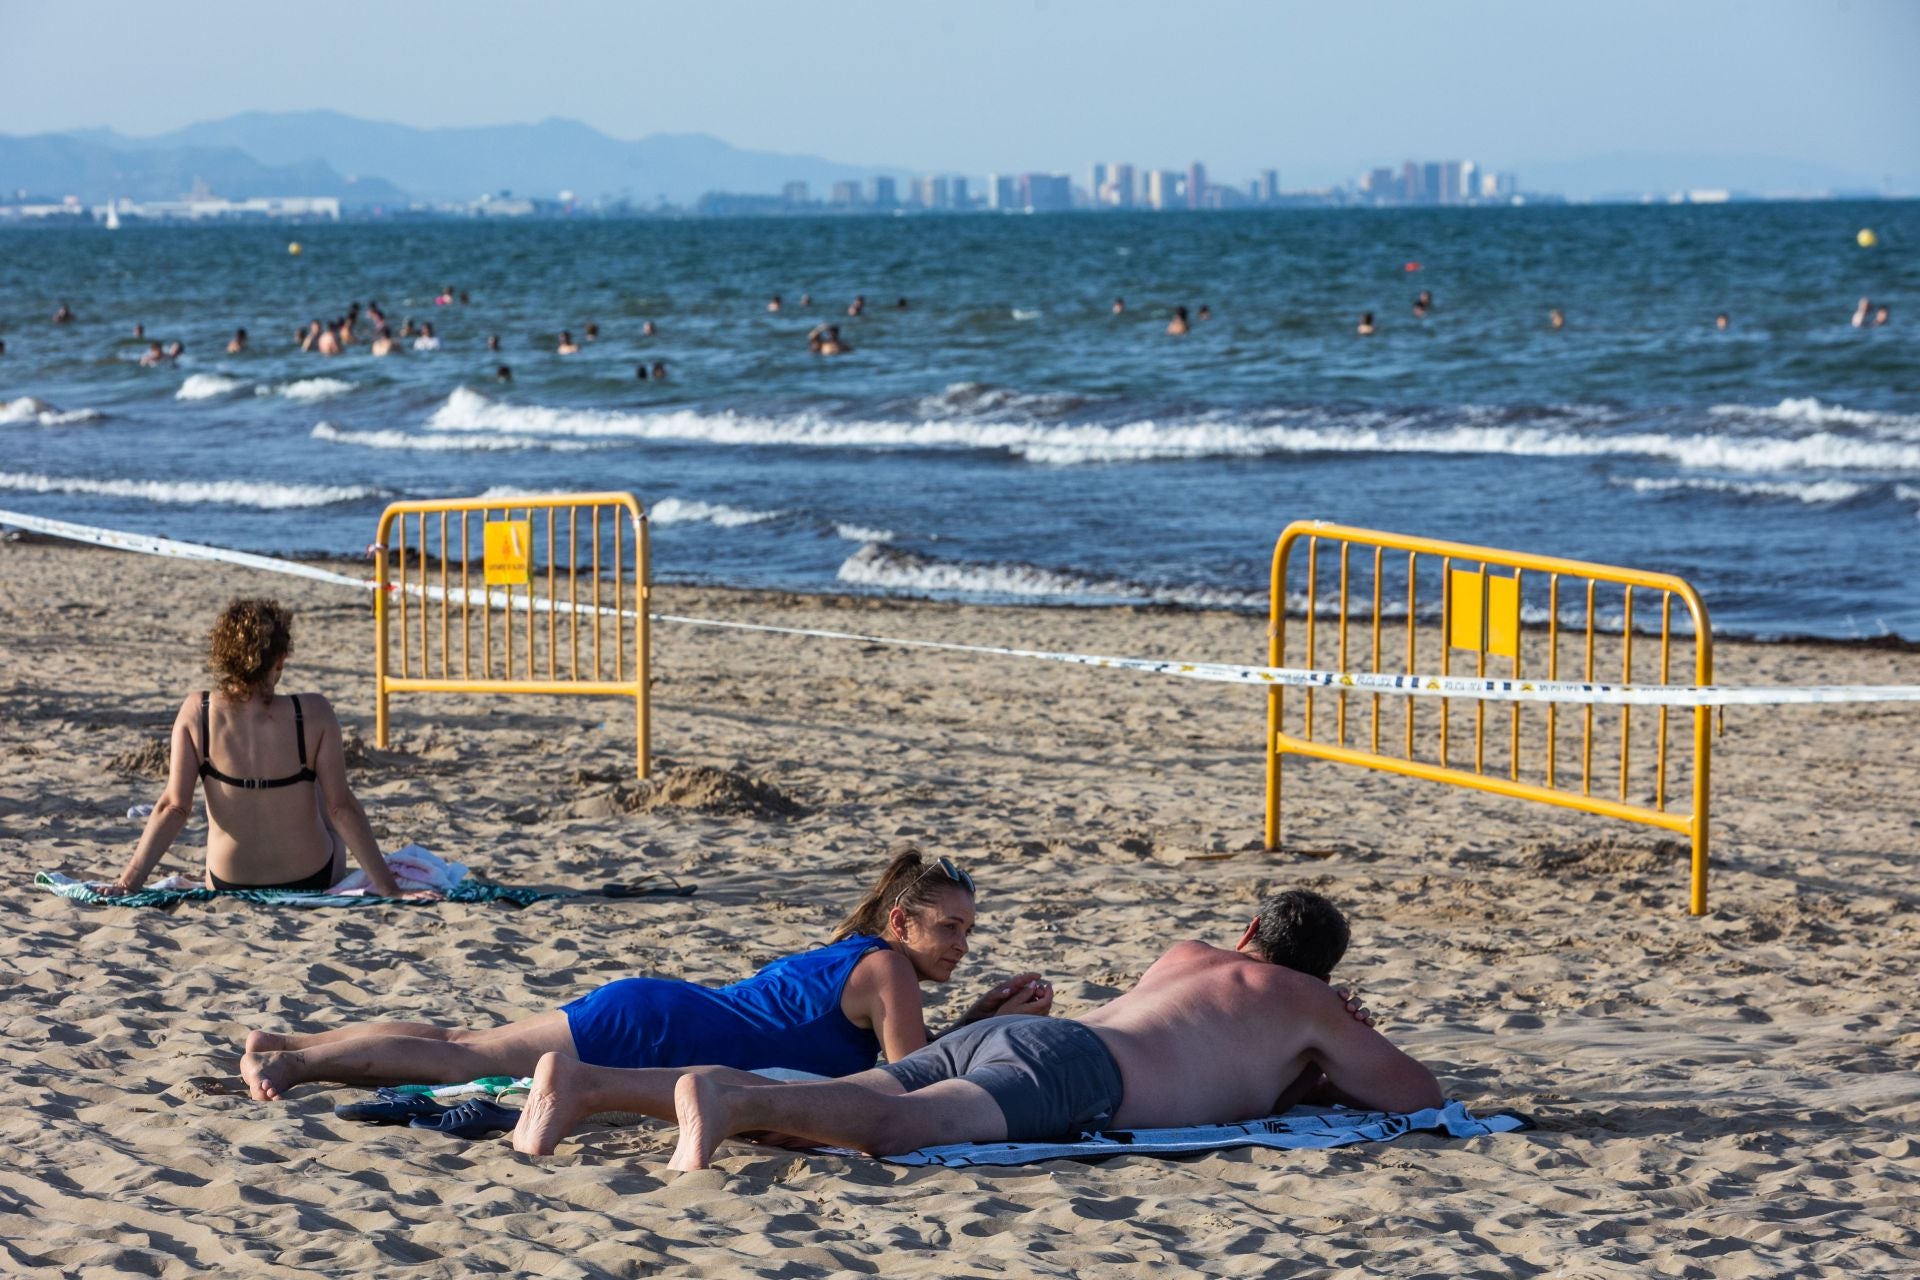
[1481,610]
[562,582]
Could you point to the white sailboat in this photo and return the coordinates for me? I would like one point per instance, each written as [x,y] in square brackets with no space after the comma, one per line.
[113,215]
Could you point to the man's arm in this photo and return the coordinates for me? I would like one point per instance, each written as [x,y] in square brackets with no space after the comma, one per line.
[1362,1068]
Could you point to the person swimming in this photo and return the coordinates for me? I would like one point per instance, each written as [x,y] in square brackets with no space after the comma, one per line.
[1205,313]
[276,824]
[593,332]
[640,372]
[1365,327]
[806,299]
[900,304]
[493,342]
[175,350]
[1557,318]
[1178,326]
[139,330]
[773,303]
[825,340]
[326,341]
[64,315]
[1119,306]
[648,329]
[238,343]
[1881,315]
[384,343]
[427,341]
[502,374]
[568,346]
[858,306]
[152,356]
[659,370]
[1723,321]
[828,1010]
[1863,313]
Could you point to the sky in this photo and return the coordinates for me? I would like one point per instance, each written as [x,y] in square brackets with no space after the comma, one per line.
[1320,92]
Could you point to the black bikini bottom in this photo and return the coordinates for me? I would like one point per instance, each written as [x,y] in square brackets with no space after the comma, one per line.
[321,879]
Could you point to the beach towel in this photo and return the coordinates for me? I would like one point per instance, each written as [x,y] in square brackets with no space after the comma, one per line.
[177,889]
[1302,1127]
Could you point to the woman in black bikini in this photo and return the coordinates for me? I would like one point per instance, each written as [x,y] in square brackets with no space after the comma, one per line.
[280,815]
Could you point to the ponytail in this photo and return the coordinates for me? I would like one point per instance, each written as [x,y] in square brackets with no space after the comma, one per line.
[908,881]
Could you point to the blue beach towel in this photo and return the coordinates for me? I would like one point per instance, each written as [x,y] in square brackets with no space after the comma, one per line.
[468,890]
[1302,1127]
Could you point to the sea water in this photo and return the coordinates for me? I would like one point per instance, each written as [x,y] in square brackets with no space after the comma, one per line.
[1005,436]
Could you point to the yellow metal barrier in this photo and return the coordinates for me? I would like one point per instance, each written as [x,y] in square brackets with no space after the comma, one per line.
[591,636]
[1483,596]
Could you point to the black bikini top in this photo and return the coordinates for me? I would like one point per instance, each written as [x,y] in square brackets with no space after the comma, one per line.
[207,770]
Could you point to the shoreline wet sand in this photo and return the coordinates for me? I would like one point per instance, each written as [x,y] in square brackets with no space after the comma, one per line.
[1725,1096]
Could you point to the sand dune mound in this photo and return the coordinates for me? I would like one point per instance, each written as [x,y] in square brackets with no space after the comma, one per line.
[1611,855]
[698,787]
[148,760]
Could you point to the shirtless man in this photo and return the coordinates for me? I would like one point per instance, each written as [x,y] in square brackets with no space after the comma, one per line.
[1178,326]
[1207,1036]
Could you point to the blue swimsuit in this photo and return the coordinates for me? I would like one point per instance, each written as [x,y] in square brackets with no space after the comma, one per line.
[786,1015]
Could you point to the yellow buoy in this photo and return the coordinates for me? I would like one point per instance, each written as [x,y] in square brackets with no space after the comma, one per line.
[1866,239]
[294,247]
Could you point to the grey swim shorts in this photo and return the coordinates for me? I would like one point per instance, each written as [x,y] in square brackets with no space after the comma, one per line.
[1051,1077]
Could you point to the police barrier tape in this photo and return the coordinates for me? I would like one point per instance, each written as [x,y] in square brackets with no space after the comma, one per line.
[1402,685]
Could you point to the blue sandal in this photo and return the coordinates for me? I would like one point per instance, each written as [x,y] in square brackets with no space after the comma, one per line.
[476,1119]
[391,1108]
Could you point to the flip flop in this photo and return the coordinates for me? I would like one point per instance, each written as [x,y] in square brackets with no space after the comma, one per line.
[391,1109]
[476,1119]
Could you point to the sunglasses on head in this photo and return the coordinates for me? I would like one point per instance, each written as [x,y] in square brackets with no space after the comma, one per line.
[954,873]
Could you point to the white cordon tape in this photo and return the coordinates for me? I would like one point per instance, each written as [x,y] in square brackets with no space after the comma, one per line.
[1400,685]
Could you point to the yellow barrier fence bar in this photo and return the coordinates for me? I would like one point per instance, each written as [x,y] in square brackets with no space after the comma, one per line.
[510,553]
[1488,608]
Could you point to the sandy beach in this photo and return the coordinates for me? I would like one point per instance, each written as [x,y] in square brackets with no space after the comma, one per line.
[1727,1096]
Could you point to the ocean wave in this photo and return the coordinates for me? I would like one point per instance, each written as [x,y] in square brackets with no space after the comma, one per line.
[26,409]
[688,511]
[1292,432]
[977,399]
[891,569]
[442,443]
[261,494]
[1812,492]
[308,389]
[860,533]
[206,386]
[1020,313]
[1813,412]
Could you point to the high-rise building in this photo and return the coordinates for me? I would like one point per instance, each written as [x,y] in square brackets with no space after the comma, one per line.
[1410,182]
[1449,192]
[930,192]
[1046,192]
[846,194]
[958,190]
[1100,175]
[883,194]
[795,193]
[1003,192]
[1117,191]
[1378,183]
[1269,187]
[1196,185]
[1430,180]
[1163,188]
[1469,181]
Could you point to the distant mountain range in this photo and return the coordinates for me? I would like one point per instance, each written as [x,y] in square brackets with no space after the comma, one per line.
[368,162]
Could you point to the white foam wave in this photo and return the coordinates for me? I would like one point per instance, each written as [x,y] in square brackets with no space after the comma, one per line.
[1807,409]
[1812,492]
[26,409]
[206,386]
[688,511]
[309,389]
[261,494]
[860,533]
[1066,444]
[1021,314]
[890,569]
[442,443]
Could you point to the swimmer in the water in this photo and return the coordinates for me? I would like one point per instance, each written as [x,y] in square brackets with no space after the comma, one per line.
[427,341]
[806,299]
[327,342]
[1365,327]
[502,374]
[383,343]
[378,317]
[773,303]
[446,297]
[152,356]
[1425,300]
[1723,321]
[64,315]
[659,370]
[647,329]
[407,329]
[1881,315]
[1557,318]
[463,297]
[900,304]
[593,332]
[1419,309]
[1178,326]
[139,330]
[1206,312]
[825,340]
[493,342]
[309,335]
[568,346]
[1863,314]
[3,347]
[858,305]
[176,349]
[237,343]
[640,372]
[1119,306]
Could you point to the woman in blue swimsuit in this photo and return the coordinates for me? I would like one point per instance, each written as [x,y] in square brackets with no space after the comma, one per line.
[827,1011]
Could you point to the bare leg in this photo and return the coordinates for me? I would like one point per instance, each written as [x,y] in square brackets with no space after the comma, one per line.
[567,1091]
[841,1113]
[388,1059]
[262,1041]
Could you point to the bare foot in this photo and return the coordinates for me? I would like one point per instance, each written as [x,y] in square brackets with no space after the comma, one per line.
[700,1108]
[269,1074]
[553,1107]
[267,1042]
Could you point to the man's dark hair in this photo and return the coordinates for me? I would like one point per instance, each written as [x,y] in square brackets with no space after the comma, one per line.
[1301,930]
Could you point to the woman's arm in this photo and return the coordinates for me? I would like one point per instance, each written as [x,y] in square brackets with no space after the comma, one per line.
[170,811]
[1023,994]
[344,810]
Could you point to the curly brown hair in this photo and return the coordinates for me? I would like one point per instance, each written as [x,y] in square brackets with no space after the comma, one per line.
[250,637]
